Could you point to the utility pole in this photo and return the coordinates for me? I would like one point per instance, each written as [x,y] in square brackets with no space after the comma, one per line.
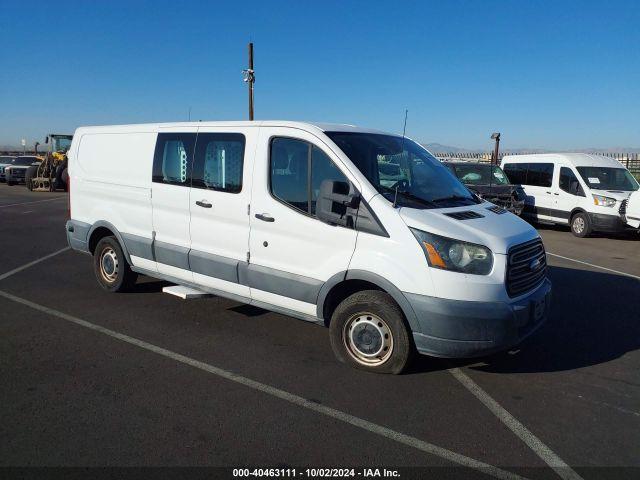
[494,158]
[249,78]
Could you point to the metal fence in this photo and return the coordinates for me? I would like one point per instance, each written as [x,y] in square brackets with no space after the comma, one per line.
[630,160]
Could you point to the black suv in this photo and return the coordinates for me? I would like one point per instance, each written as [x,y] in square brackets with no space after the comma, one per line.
[490,183]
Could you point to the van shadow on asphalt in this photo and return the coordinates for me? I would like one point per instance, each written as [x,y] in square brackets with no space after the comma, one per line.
[594,319]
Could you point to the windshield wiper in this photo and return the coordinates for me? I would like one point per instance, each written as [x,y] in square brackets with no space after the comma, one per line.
[408,195]
[451,197]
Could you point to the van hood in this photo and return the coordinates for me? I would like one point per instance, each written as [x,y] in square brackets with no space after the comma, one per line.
[499,232]
[617,194]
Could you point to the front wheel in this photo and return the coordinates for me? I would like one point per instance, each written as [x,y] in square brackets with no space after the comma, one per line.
[581,225]
[368,331]
[111,268]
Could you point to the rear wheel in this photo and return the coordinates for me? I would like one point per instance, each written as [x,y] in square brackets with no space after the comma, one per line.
[28,175]
[65,179]
[581,225]
[111,268]
[368,331]
[11,183]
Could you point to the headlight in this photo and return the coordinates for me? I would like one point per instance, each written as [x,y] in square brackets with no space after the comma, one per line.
[604,201]
[454,255]
[7,170]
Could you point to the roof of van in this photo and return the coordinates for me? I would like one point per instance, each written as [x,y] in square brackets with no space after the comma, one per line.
[309,126]
[575,159]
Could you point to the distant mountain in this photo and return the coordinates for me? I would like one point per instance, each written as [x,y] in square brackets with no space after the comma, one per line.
[438,147]
[608,150]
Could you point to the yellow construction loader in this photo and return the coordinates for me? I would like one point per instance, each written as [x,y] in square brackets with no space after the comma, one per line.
[51,174]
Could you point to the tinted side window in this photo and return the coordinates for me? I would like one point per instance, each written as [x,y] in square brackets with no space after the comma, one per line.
[569,182]
[517,172]
[540,174]
[297,171]
[172,158]
[289,165]
[322,168]
[218,161]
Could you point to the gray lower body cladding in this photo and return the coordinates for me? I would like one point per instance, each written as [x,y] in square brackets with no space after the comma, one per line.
[440,327]
[461,329]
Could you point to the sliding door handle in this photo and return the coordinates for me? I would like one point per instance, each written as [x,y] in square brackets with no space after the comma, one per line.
[203,204]
[265,217]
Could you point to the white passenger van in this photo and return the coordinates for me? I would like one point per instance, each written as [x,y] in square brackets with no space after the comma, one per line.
[631,210]
[581,190]
[302,219]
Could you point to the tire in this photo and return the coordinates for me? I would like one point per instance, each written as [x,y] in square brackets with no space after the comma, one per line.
[368,331]
[581,225]
[28,175]
[10,183]
[57,183]
[111,268]
[65,179]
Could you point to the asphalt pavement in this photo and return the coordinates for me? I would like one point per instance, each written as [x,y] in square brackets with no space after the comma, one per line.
[91,379]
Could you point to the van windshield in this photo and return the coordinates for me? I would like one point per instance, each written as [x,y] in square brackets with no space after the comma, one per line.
[607,178]
[393,164]
[479,174]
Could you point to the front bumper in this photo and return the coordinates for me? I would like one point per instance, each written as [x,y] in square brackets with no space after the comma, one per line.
[461,329]
[15,177]
[601,222]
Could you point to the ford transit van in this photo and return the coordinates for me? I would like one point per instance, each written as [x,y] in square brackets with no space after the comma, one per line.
[583,191]
[362,231]
[630,210]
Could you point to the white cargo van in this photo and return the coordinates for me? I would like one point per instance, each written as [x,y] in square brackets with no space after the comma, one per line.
[581,190]
[305,220]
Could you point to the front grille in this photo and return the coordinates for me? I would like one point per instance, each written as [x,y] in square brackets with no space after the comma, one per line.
[526,267]
[464,215]
[623,207]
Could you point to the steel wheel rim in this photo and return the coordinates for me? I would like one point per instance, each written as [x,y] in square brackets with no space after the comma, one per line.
[109,265]
[578,224]
[368,339]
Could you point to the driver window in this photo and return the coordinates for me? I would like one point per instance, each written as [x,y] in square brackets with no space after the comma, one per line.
[569,182]
[297,169]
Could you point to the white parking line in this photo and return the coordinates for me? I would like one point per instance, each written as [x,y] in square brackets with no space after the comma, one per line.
[533,442]
[29,203]
[594,266]
[31,264]
[281,394]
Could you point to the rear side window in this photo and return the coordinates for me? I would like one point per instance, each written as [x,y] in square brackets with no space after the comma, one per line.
[534,174]
[298,168]
[218,162]
[173,157]
[517,172]
[540,174]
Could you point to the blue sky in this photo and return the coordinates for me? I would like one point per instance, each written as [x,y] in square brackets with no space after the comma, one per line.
[558,74]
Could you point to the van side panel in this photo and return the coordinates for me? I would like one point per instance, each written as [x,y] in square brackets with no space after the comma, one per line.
[110,183]
[393,258]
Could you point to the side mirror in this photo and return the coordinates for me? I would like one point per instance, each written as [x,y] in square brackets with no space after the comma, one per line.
[336,203]
[46,140]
